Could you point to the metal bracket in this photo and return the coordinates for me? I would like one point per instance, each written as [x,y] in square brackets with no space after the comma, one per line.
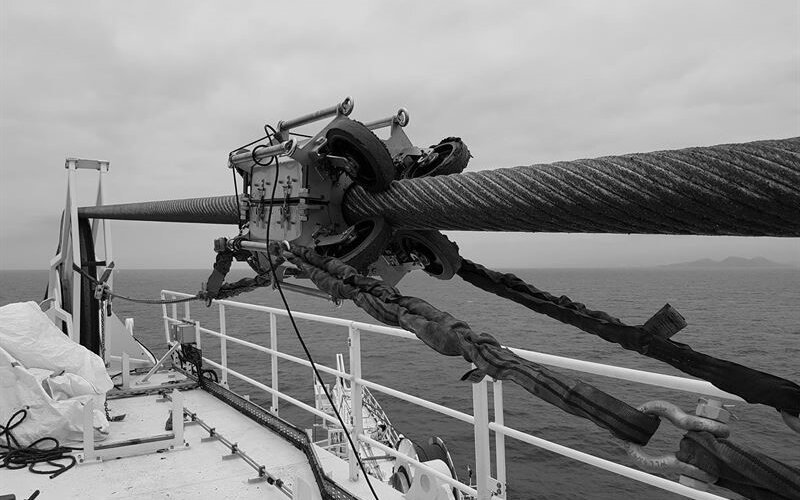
[138,446]
[146,378]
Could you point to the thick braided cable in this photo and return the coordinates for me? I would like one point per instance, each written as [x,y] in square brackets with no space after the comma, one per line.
[206,210]
[750,189]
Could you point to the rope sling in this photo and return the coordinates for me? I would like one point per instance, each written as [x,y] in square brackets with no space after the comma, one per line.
[729,465]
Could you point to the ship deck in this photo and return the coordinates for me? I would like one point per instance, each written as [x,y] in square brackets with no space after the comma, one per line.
[195,471]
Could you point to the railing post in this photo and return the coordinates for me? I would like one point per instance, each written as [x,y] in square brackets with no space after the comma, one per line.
[88,429]
[500,438]
[76,278]
[480,405]
[187,312]
[355,398]
[177,418]
[197,341]
[223,346]
[126,370]
[273,344]
[164,314]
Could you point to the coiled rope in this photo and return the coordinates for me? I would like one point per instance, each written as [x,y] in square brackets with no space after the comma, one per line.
[46,450]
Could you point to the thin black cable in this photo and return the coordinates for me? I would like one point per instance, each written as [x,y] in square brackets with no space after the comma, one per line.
[255,160]
[300,337]
[301,135]
[248,144]
[145,347]
[111,293]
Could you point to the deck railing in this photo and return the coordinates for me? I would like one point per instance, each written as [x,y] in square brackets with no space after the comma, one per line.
[486,487]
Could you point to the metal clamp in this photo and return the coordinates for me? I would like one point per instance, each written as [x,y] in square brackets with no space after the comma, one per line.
[669,462]
[683,420]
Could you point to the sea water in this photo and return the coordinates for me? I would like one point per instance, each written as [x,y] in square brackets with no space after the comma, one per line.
[749,316]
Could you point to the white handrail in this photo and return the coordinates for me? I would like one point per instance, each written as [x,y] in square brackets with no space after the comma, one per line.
[643,377]
[482,424]
[657,379]
[664,484]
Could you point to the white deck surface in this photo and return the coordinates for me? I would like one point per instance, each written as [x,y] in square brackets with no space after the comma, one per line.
[195,472]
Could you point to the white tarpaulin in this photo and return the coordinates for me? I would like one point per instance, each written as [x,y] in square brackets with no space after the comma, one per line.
[51,376]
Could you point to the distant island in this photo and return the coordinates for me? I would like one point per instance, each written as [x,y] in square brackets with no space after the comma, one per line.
[730,262]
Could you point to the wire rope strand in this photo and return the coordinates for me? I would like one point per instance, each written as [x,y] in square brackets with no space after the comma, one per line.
[746,189]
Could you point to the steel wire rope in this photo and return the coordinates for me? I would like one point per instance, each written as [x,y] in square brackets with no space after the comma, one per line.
[595,196]
[714,184]
[783,177]
[690,191]
[640,184]
[760,179]
[730,189]
[603,170]
[542,194]
[545,193]
[297,330]
[692,205]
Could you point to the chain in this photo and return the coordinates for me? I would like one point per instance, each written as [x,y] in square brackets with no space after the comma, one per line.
[103,306]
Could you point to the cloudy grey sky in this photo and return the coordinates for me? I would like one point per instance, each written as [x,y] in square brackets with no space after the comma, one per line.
[165,89]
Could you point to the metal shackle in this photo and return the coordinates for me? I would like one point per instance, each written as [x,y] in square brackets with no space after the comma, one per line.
[664,463]
[683,420]
[668,462]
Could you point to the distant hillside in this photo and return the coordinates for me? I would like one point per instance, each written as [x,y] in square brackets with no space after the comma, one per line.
[730,262]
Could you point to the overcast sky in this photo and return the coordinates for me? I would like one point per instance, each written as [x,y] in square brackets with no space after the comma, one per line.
[164,90]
